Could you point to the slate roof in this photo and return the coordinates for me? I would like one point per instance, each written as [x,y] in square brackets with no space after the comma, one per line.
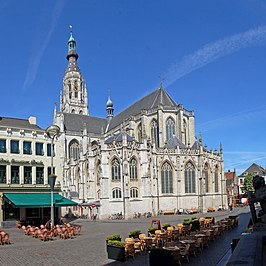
[152,100]
[196,145]
[254,168]
[118,138]
[74,122]
[173,142]
[18,123]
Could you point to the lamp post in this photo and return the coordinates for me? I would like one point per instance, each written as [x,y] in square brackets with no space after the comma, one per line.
[52,132]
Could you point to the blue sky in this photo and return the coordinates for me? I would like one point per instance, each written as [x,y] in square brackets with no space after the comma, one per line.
[212,55]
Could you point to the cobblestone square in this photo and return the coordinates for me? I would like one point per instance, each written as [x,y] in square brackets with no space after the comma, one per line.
[89,248]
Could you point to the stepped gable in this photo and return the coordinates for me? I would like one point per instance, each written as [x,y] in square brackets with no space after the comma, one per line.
[75,122]
[157,98]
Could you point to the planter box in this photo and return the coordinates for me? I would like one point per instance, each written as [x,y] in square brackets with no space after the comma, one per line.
[116,253]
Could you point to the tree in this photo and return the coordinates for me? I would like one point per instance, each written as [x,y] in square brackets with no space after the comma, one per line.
[248,185]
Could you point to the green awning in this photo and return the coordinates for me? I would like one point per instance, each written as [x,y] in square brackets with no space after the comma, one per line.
[37,200]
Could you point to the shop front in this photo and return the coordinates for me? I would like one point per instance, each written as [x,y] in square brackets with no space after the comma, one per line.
[32,208]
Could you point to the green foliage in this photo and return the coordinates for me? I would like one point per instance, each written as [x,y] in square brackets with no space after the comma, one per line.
[134,233]
[165,226]
[152,230]
[114,237]
[116,243]
[248,185]
[186,221]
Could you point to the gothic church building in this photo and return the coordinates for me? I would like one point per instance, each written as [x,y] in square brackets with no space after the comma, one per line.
[145,159]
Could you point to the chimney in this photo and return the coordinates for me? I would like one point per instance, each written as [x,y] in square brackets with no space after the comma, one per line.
[32,120]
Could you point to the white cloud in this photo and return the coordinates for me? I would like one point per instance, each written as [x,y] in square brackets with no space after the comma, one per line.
[213,51]
[38,53]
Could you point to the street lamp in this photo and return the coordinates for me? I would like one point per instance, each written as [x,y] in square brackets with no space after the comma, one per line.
[52,132]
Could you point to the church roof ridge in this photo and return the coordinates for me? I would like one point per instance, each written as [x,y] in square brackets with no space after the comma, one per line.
[154,99]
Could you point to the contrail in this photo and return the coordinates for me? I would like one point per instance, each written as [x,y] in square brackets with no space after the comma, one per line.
[36,57]
[213,51]
[254,113]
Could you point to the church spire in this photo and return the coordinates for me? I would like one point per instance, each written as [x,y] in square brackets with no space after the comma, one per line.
[71,46]
[74,97]
[109,107]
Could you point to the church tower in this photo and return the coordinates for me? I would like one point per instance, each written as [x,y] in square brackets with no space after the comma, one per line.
[73,98]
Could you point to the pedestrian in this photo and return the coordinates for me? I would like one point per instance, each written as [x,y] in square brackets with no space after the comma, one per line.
[48,224]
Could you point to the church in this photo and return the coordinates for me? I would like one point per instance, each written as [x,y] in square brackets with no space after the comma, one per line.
[144,159]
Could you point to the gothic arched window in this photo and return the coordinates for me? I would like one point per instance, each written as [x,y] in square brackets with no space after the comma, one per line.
[139,135]
[167,178]
[134,193]
[206,175]
[155,132]
[116,193]
[170,128]
[190,180]
[185,131]
[116,175]
[216,179]
[74,150]
[133,169]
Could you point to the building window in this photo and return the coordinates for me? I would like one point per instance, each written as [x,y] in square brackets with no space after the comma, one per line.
[206,176]
[133,169]
[26,147]
[2,174]
[155,132]
[116,193]
[14,174]
[14,146]
[216,183]
[49,149]
[74,150]
[134,193]
[2,145]
[39,175]
[49,171]
[190,185]
[27,175]
[139,134]
[170,128]
[116,175]
[167,178]
[39,148]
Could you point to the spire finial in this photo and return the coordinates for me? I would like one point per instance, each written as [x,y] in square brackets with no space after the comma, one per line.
[161,81]
[70,29]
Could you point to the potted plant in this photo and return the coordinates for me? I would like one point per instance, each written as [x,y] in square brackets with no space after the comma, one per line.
[165,226]
[113,237]
[151,231]
[134,233]
[116,250]
[195,224]
[186,221]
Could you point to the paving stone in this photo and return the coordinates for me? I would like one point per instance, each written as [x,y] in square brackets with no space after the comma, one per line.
[89,248]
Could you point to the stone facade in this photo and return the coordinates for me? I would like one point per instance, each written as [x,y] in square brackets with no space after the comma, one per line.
[145,159]
[25,161]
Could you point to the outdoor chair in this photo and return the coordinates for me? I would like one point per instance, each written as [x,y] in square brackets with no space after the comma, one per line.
[184,251]
[129,250]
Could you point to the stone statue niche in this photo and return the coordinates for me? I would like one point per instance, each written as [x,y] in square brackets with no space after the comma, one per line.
[259,196]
